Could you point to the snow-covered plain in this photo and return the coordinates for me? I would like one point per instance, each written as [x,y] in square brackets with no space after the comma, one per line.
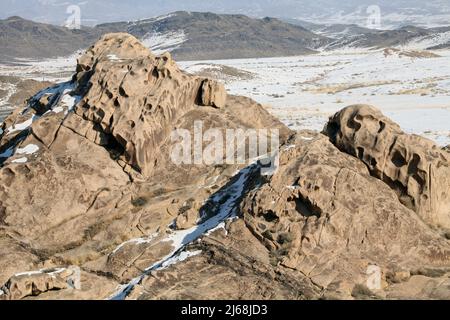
[304,91]
[55,70]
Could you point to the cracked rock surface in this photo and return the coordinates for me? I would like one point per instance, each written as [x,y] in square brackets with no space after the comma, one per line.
[87,183]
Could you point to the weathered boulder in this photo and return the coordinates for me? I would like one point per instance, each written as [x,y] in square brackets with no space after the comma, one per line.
[213,93]
[415,167]
[322,213]
[36,283]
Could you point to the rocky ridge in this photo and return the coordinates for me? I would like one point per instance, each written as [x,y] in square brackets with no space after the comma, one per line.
[87,186]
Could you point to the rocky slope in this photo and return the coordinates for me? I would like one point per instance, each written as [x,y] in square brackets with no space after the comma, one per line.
[22,38]
[199,36]
[208,36]
[351,36]
[188,35]
[87,182]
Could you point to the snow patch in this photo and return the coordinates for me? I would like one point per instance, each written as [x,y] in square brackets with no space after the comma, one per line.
[69,101]
[54,70]
[289,147]
[430,41]
[20,160]
[113,57]
[137,241]
[29,149]
[179,258]
[11,90]
[58,109]
[162,42]
[28,273]
[21,126]
[42,271]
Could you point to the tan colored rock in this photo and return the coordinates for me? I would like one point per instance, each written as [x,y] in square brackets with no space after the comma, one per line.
[416,168]
[323,214]
[90,183]
[213,94]
[87,178]
[310,231]
[36,283]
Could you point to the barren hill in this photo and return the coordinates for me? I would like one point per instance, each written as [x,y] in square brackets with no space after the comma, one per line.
[189,35]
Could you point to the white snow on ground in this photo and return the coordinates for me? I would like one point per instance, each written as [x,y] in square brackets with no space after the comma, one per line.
[29,149]
[20,160]
[31,273]
[179,258]
[28,273]
[180,239]
[162,42]
[304,91]
[21,126]
[55,69]
[148,239]
[65,100]
[58,109]
[11,89]
[150,20]
[429,41]
[198,67]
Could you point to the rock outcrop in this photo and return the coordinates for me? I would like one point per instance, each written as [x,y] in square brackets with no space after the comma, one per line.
[91,198]
[416,168]
[315,229]
[85,166]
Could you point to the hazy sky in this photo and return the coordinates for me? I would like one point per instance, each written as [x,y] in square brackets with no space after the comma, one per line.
[98,11]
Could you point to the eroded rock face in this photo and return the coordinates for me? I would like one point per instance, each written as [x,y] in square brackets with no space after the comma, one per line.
[36,283]
[85,168]
[213,94]
[135,97]
[323,214]
[312,230]
[417,169]
[87,180]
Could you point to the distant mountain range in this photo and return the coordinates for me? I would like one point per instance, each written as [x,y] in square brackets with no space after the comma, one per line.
[187,35]
[20,38]
[200,36]
[355,36]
